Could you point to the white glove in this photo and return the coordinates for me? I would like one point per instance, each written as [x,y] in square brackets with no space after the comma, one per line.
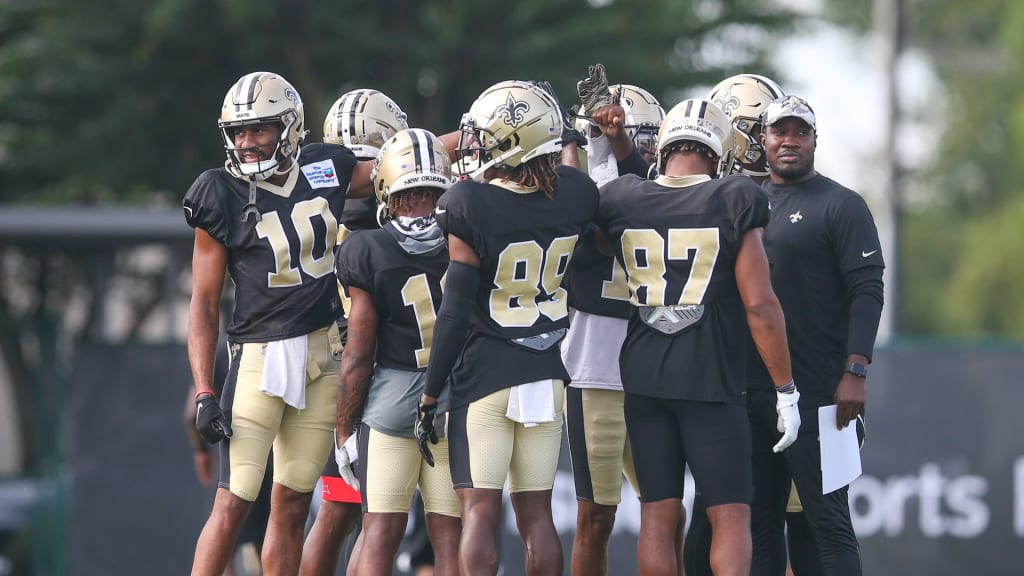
[346,455]
[789,418]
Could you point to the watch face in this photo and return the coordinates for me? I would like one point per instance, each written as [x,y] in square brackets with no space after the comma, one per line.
[857,369]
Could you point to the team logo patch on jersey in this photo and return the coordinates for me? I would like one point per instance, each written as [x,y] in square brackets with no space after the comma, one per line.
[321,174]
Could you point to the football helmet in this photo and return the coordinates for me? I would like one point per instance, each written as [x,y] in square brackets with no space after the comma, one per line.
[698,121]
[258,98]
[744,98]
[412,158]
[509,124]
[362,120]
[643,115]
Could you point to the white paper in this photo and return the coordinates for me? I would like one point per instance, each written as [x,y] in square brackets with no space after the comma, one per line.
[840,454]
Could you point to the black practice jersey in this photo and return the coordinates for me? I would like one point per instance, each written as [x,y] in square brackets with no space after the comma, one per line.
[360,214]
[678,244]
[282,266]
[406,290]
[818,234]
[525,242]
[597,283]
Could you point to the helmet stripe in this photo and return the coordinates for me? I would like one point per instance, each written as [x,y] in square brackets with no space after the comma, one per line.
[347,117]
[246,85]
[774,89]
[423,150]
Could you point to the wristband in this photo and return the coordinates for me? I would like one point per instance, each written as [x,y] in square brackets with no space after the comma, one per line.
[787,387]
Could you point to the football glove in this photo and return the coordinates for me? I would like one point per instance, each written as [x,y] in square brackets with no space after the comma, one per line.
[425,430]
[593,90]
[210,421]
[346,455]
[789,418]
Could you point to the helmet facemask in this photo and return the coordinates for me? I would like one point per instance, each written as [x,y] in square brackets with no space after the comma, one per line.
[508,125]
[261,169]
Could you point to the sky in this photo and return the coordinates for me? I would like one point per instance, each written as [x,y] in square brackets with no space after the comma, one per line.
[842,76]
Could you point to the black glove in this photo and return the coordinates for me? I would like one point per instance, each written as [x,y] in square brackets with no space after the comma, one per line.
[210,421]
[425,430]
[593,90]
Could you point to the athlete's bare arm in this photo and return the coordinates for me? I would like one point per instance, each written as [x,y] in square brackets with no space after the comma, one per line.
[356,361]
[361,186]
[209,265]
[764,314]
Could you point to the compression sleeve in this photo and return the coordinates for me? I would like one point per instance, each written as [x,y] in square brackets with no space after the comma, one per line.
[865,294]
[451,324]
[633,164]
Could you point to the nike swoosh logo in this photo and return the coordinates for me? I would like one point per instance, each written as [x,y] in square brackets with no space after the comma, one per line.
[439,210]
[866,254]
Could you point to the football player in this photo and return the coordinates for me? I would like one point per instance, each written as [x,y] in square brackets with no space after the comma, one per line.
[269,218]
[690,244]
[393,277]
[599,309]
[361,120]
[511,233]
[744,97]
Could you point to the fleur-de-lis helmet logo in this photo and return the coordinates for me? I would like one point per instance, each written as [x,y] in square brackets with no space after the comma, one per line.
[513,111]
[728,103]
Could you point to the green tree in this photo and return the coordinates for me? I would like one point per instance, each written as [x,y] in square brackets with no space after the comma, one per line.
[113,100]
[961,245]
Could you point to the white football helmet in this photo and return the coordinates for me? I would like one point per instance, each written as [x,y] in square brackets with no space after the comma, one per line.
[744,98]
[698,121]
[257,98]
[412,158]
[509,124]
[362,120]
[644,115]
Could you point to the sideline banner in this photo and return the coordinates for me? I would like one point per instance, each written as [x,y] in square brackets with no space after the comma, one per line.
[942,491]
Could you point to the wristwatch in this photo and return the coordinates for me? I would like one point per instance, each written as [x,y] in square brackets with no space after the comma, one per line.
[857,369]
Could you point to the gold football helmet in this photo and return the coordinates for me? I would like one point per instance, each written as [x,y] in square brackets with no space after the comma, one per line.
[509,124]
[698,121]
[412,158]
[362,120]
[258,98]
[643,115]
[744,97]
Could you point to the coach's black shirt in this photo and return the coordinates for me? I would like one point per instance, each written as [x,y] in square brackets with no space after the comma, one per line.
[818,234]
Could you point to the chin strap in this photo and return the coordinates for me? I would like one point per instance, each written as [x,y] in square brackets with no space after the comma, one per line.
[250,208]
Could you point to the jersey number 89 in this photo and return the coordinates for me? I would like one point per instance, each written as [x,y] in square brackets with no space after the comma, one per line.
[526,270]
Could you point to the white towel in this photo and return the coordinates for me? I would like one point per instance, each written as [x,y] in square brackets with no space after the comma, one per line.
[532,403]
[601,161]
[284,371]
